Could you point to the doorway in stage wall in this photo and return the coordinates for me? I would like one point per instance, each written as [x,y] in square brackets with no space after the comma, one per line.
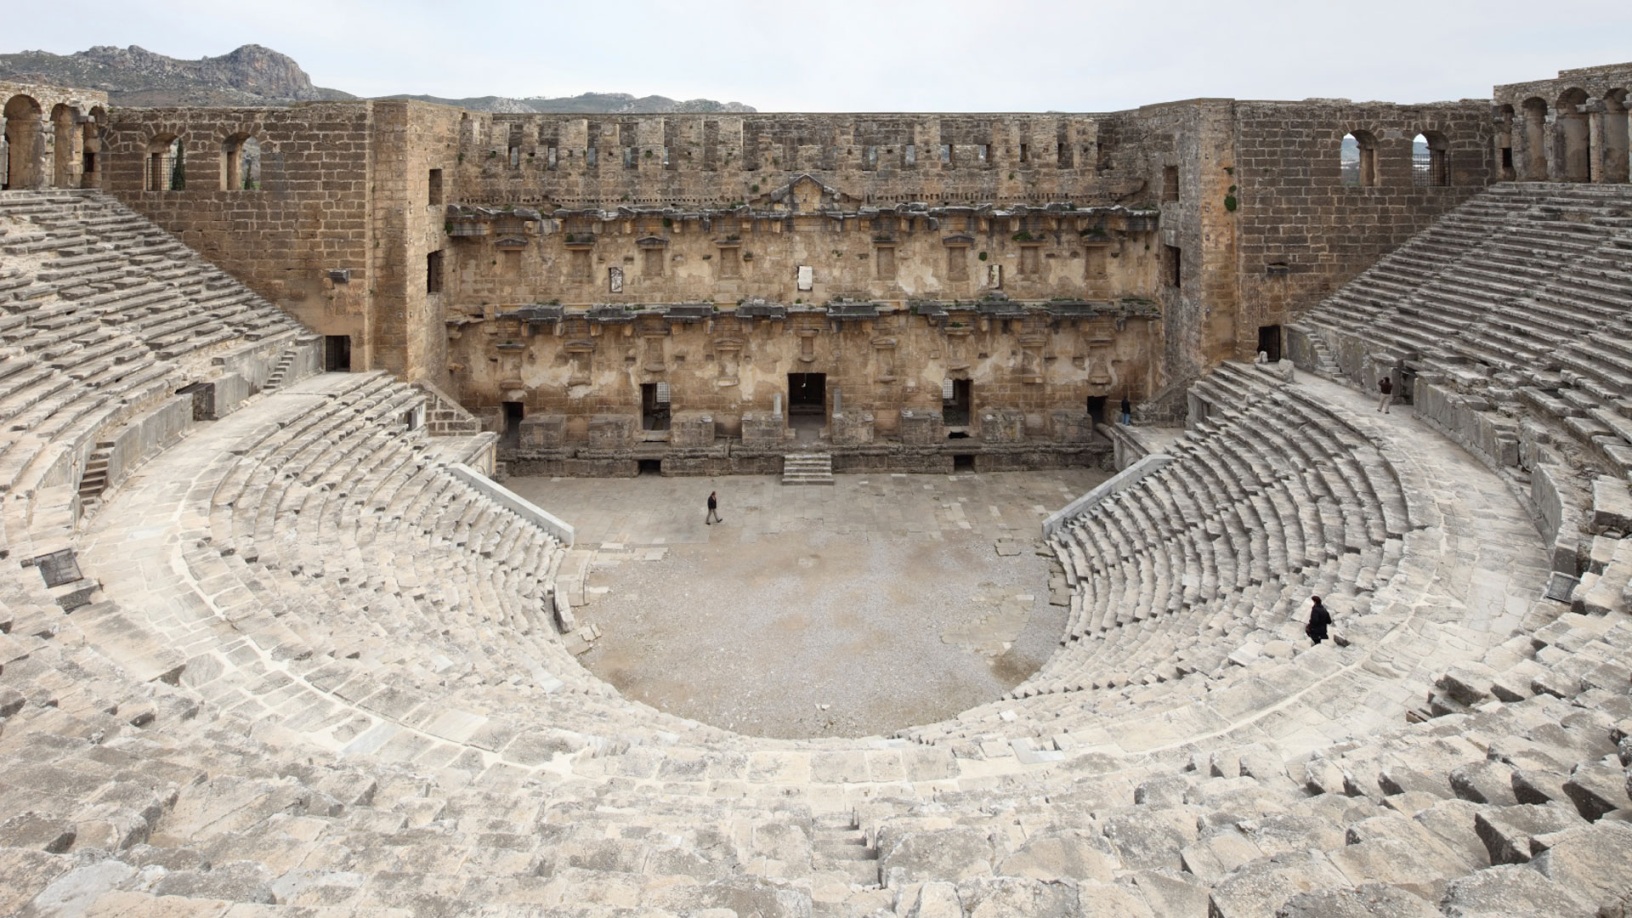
[514,414]
[337,353]
[957,400]
[807,404]
[1269,341]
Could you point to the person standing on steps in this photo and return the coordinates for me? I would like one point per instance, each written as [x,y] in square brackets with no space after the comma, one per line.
[713,510]
[1319,621]
[1385,386]
[1127,410]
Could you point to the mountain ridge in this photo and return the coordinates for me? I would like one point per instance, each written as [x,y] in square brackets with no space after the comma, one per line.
[256,75]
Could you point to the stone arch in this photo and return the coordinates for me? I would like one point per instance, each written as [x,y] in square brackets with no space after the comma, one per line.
[241,162]
[1506,171]
[25,143]
[1357,159]
[90,147]
[1574,142]
[63,141]
[1430,160]
[1617,166]
[1535,140]
[161,169]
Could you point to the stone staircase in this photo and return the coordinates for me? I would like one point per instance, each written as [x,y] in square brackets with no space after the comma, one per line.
[95,479]
[1325,363]
[807,469]
[280,373]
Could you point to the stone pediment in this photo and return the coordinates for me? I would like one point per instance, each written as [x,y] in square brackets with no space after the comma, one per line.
[805,193]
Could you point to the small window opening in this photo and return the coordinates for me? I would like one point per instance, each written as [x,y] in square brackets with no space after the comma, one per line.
[433,188]
[433,272]
[963,462]
[1429,165]
[1357,160]
[1170,183]
[1175,266]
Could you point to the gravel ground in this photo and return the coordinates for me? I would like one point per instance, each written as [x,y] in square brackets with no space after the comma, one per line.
[877,604]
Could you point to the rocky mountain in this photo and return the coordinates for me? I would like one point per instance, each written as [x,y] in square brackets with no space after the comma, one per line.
[253,75]
[599,103]
[135,76]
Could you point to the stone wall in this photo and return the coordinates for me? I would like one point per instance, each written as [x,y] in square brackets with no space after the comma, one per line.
[735,362]
[301,236]
[695,161]
[560,263]
[1301,231]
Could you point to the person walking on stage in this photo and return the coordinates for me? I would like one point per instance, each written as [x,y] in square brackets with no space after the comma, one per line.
[713,510]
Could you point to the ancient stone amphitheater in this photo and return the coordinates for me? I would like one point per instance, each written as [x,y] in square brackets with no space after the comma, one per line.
[284,651]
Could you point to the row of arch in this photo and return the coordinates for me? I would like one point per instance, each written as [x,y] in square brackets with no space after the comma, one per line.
[73,141]
[1358,164]
[70,142]
[1573,138]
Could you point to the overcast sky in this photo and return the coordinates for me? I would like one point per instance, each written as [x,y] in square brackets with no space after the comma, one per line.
[877,55]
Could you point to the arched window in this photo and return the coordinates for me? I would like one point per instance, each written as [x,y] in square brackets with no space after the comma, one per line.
[1616,143]
[165,169]
[90,146]
[1430,164]
[1535,141]
[62,146]
[1357,159]
[1574,139]
[25,143]
[1504,144]
[240,163]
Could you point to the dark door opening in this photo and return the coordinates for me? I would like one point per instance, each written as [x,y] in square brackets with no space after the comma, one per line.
[203,395]
[1405,383]
[336,353]
[807,394]
[1269,341]
[957,396]
[654,406]
[963,462]
[1096,408]
[650,466]
[514,413]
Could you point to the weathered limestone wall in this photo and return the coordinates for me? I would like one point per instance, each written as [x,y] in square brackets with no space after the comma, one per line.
[562,262]
[1188,147]
[1300,231]
[410,140]
[1026,363]
[309,221]
[705,160]
[952,253]
[46,133]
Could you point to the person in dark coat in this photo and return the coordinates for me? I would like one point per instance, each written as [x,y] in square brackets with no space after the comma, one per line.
[1319,621]
[1127,411]
[713,510]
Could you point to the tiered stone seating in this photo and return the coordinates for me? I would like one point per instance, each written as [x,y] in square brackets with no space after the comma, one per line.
[320,674]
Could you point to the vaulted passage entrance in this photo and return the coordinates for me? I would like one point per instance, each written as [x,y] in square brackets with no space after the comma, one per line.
[807,394]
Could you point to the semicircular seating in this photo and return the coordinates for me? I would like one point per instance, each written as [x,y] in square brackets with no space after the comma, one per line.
[309,666]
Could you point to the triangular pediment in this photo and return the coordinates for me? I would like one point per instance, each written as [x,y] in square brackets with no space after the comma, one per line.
[805,193]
